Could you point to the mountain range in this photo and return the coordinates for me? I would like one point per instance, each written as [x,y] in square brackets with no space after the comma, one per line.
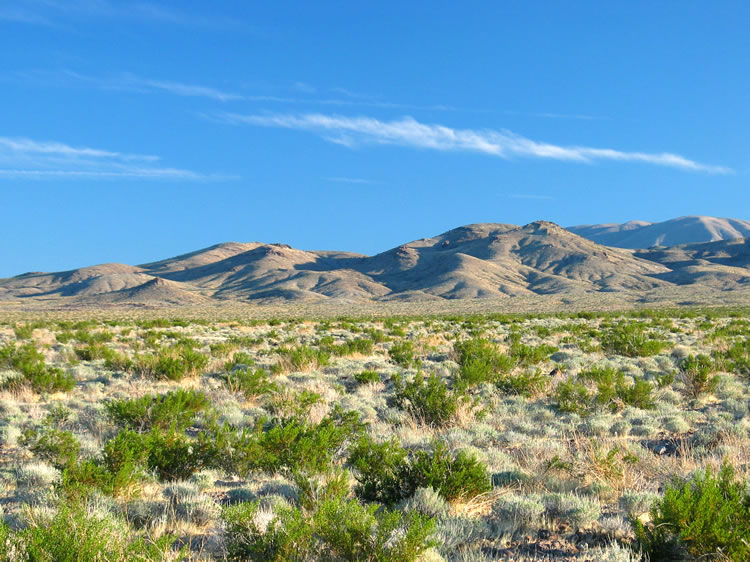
[483,260]
[682,230]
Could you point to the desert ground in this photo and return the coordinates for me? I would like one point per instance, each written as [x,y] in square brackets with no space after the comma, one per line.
[464,433]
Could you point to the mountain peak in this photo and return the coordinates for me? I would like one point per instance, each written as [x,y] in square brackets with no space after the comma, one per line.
[544,227]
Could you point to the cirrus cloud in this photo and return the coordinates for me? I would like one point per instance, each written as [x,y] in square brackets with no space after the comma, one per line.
[23,158]
[408,132]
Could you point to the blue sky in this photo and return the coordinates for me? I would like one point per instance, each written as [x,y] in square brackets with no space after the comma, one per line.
[134,131]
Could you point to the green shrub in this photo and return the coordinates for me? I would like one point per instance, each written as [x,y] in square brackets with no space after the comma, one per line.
[6,541]
[480,361]
[632,340]
[429,401]
[49,379]
[56,446]
[124,457]
[312,490]
[127,457]
[326,342]
[82,477]
[65,336]
[334,528]
[240,358]
[159,323]
[381,470]
[403,353]
[301,358]
[573,397]
[289,536]
[173,364]
[84,336]
[294,405]
[196,362]
[526,355]
[169,367]
[58,414]
[664,379]
[459,477]
[637,395]
[291,445]
[351,531]
[602,388]
[706,516]
[33,371]
[222,349]
[361,346]
[73,534]
[388,474]
[527,383]
[737,357]
[91,352]
[612,390]
[696,372]
[116,361]
[250,383]
[173,455]
[367,377]
[23,331]
[128,447]
[176,408]
[378,336]
[294,445]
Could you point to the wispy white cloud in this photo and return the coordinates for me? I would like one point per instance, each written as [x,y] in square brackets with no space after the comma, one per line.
[49,12]
[579,116]
[305,88]
[19,14]
[339,179]
[354,131]
[127,81]
[181,89]
[354,95]
[531,196]
[28,146]
[30,159]
[142,173]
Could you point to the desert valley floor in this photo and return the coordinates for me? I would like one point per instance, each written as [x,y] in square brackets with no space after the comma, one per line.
[425,437]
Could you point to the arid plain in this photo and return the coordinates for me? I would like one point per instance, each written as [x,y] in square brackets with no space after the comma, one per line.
[255,402]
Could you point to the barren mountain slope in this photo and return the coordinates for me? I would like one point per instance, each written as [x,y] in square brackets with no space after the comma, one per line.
[495,260]
[199,258]
[155,291]
[86,280]
[682,230]
[724,264]
[277,271]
